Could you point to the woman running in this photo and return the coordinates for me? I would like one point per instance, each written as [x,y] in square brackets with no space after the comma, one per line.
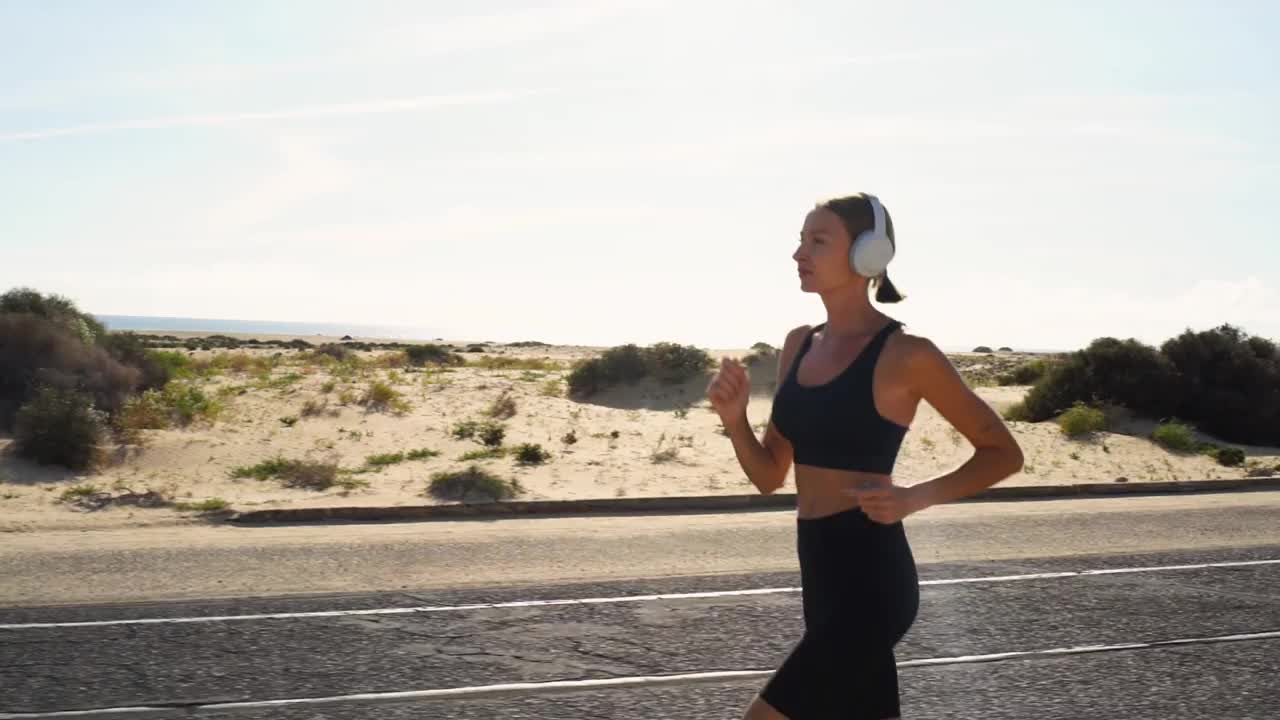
[847,392]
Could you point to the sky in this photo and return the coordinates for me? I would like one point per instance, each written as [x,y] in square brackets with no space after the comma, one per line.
[637,171]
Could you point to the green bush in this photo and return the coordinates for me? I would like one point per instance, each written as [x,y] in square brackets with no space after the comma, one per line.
[307,474]
[531,454]
[488,432]
[188,403]
[60,427]
[666,362]
[381,396]
[1109,371]
[673,363]
[492,434]
[1231,384]
[1174,435]
[1025,374]
[1229,456]
[419,355]
[473,483]
[1082,420]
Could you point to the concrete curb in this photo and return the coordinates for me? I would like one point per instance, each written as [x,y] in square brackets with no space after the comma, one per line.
[715,503]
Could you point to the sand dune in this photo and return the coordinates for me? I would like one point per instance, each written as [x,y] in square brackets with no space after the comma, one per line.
[646,439]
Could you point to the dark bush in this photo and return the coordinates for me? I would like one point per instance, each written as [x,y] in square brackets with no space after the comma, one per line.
[1229,456]
[1108,371]
[55,308]
[337,352]
[673,363]
[36,351]
[429,353]
[667,362]
[60,427]
[982,349]
[157,367]
[531,454]
[1231,384]
[473,483]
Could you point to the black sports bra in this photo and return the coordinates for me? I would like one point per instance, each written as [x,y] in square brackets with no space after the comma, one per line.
[836,424]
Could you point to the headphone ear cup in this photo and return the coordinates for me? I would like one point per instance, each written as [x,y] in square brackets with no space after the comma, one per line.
[870,253]
[872,250]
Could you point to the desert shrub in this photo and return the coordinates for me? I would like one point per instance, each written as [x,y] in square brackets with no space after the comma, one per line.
[307,474]
[421,454]
[146,411]
[1025,374]
[983,349]
[157,368]
[1109,371]
[56,309]
[381,396]
[60,427]
[188,403]
[384,459]
[1231,384]
[667,362]
[473,483]
[208,505]
[531,454]
[503,407]
[488,433]
[1229,456]
[1175,435]
[670,362]
[504,362]
[419,355]
[175,365]
[389,360]
[492,434]
[36,352]
[1082,420]
[337,352]
[242,362]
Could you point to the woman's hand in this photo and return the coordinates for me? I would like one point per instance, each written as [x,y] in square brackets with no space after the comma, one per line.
[729,391]
[888,504]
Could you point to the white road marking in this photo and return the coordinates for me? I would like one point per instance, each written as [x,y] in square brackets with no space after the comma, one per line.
[603,600]
[531,688]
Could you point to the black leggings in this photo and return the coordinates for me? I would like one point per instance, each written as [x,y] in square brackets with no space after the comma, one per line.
[861,594]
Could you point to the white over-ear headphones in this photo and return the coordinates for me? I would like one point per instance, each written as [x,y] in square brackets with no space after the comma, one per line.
[872,250]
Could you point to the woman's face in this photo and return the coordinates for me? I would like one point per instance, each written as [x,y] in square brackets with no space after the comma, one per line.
[822,258]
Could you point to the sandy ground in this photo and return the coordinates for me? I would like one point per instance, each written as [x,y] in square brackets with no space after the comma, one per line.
[643,440]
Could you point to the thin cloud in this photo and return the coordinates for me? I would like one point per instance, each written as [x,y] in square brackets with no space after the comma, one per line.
[368,107]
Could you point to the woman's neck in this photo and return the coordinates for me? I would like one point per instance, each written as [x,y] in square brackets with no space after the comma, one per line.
[850,312]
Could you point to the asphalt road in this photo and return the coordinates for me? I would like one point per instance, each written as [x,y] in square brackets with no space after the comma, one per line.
[1180,621]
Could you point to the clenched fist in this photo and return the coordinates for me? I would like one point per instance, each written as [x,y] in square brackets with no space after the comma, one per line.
[729,391]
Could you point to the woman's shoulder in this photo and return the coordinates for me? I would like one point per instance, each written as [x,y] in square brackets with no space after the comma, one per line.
[914,350]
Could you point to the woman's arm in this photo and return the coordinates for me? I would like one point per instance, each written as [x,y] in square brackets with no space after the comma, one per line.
[766,463]
[996,453]
[933,378]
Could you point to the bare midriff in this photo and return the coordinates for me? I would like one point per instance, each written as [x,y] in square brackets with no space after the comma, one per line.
[824,491]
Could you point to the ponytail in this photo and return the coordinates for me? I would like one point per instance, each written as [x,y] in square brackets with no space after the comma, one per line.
[886,292]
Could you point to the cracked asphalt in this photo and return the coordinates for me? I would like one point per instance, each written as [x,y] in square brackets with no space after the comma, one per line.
[49,669]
